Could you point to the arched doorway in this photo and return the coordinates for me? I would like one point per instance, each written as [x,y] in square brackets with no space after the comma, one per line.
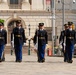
[11,25]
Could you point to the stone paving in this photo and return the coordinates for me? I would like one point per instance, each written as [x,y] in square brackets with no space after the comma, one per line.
[30,66]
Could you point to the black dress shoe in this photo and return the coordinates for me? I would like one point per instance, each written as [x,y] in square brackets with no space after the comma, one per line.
[38,60]
[43,60]
[16,61]
[3,59]
[0,60]
[65,60]
[70,61]
[19,60]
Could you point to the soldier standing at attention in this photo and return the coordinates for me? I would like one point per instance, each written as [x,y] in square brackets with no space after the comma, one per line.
[62,41]
[3,56]
[19,40]
[3,40]
[42,41]
[70,42]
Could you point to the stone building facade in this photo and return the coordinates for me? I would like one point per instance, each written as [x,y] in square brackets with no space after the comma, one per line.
[32,12]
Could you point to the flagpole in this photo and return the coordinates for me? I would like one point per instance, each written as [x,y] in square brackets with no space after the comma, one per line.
[53,23]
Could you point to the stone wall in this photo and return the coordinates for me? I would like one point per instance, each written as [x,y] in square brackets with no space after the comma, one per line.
[34,17]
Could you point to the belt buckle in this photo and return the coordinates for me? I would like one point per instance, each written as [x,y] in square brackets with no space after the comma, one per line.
[70,37]
[1,37]
[40,37]
[18,35]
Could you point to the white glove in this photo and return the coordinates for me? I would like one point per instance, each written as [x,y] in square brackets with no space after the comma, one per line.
[75,45]
[60,47]
[29,38]
[64,44]
[36,46]
[46,45]
[60,43]
[12,43]
[24,44]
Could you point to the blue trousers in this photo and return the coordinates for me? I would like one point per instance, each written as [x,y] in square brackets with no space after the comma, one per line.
[41,51]
[1,50]
[70,50]
[18,52]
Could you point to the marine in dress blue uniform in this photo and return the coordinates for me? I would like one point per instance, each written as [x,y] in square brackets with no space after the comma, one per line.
[42,41]
[3,39]
[3,56]
[19,39]
[70,41]
[62,40]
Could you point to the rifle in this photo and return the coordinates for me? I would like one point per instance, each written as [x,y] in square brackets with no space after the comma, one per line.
[36,45]
[12,47]
[64,41]
[12,44]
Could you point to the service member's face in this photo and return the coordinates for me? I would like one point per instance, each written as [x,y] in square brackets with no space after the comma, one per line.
[19,25]
[1,27]
[66,27]
[41,27]
[70,26]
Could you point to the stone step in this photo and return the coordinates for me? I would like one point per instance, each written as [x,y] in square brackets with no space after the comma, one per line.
[24,50]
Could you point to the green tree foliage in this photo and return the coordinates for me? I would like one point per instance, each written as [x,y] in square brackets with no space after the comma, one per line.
[1,21]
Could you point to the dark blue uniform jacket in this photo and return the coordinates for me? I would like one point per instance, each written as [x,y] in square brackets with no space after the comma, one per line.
[3,37]
[42,37]
[70,37]
[19,36]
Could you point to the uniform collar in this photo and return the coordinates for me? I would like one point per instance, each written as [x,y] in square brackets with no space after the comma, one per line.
[1,29]
[19,27]
[41,29]
[70,29]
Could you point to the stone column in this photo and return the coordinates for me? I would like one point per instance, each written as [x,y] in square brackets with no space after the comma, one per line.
[25,5]
[4,4]
[27,1]
[0,1]
[4,1]
[44,5]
